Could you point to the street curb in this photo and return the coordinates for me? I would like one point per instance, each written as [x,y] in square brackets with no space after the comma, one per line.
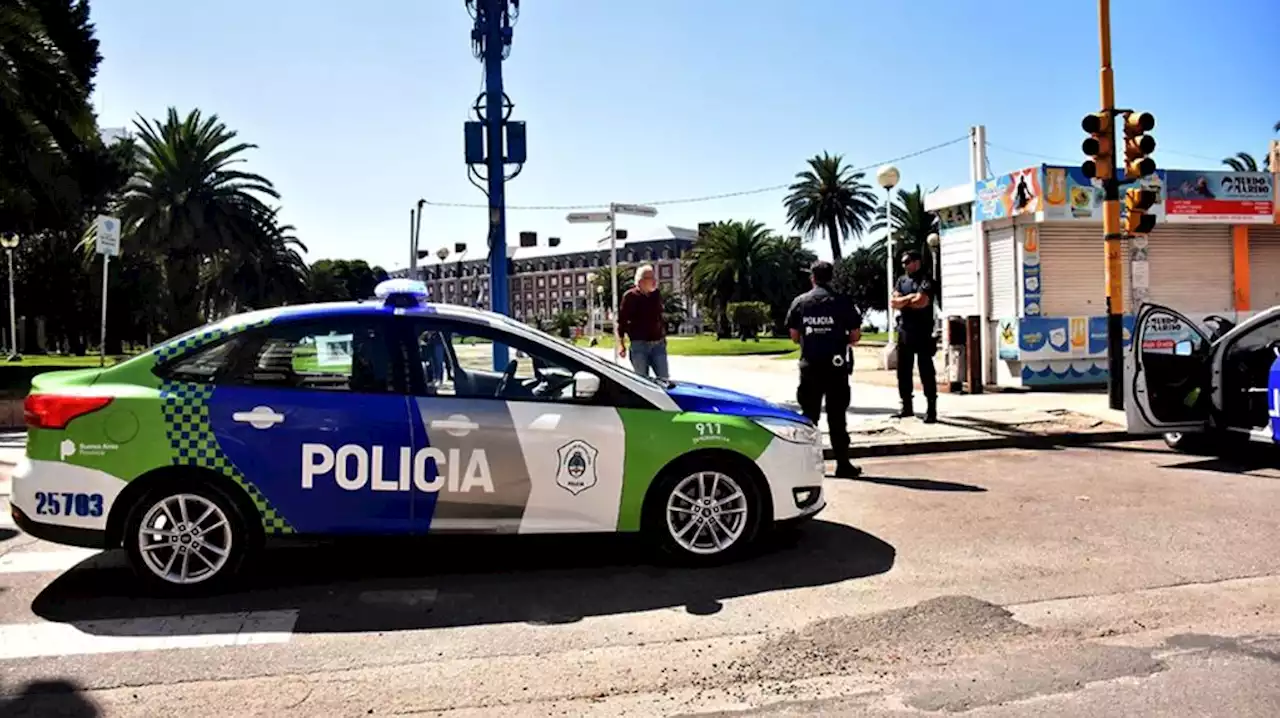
[1046,441]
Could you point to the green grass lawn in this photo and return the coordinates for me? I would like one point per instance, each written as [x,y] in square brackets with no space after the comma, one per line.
[708,345]
[62,361]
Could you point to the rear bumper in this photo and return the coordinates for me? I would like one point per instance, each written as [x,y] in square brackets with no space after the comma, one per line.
[67,535]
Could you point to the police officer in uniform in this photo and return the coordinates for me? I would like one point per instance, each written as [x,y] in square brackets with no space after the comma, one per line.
[826,325]
[913,299]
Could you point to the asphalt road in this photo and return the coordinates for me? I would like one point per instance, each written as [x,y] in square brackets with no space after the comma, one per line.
[1119,580]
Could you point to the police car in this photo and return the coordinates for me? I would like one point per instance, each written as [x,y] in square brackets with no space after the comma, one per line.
[1199,390]
[387,417]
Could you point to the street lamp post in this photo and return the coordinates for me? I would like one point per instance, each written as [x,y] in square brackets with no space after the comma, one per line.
[442,254]
[888,176]
[935,242]
[10,243]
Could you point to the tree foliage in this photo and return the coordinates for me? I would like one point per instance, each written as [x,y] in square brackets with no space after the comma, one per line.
[342,280]
[743,261]
[831,197]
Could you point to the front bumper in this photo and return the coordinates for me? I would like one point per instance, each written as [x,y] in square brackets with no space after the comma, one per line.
[796,474]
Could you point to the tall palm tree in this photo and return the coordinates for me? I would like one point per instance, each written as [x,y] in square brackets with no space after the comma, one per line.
[52,162]
[791,261]
[187,206]
[268,270]
[831,197]
[733,262]
[1242,162]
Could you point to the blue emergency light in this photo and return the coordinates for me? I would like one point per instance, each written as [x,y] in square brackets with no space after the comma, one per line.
[402,292]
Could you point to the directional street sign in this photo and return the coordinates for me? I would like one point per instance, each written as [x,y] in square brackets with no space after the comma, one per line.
[636,209]
[107,230]
[579,217]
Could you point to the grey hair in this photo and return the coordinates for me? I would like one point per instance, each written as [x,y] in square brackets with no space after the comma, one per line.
[642,270]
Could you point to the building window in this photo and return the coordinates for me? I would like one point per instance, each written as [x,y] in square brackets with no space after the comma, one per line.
[555,281]
[582,278]
[542,282]
[664,271]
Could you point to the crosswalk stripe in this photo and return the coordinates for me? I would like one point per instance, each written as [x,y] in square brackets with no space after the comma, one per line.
[58,560]
[35,640]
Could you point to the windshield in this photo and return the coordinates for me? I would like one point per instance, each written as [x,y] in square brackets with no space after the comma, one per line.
[586,357]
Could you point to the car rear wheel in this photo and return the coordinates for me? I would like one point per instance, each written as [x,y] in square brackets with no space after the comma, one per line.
[704,512]
[186,539]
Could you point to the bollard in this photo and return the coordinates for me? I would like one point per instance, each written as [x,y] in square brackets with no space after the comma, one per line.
[973,352]
[955,327]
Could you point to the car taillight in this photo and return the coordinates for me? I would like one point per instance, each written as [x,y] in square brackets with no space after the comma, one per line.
[55,411]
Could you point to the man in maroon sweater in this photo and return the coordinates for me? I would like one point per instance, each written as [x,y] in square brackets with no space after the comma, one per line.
[640,319]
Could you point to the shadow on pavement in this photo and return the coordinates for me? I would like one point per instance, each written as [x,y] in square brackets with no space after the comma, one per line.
[921,484]
[1242,463]
[462,581]
[46,699]
[6,534]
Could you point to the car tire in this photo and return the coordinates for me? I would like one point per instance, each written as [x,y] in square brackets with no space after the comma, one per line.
[1189,443]
[211,536]
[733,517]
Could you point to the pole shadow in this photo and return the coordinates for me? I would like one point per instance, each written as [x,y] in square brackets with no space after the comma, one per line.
[46,699]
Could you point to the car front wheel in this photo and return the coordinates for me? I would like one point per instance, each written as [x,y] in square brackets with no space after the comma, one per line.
[705,513]
[186,539]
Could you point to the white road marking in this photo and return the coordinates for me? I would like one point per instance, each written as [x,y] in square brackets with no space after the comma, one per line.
[212,630]
[58,561]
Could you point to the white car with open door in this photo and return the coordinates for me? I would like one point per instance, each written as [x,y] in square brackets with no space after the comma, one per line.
[1201,391]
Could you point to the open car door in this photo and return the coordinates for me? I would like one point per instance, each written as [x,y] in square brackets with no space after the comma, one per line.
[1167,374]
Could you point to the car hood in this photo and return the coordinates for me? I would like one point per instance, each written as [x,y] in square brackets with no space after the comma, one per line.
[715,400]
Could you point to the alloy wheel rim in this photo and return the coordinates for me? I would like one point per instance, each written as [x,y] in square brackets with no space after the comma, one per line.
[185,539]
[707,512]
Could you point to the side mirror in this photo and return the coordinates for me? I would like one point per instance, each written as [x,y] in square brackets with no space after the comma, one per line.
[585,385]
[1182,349]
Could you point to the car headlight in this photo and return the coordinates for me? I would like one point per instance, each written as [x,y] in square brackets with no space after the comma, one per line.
[787,430]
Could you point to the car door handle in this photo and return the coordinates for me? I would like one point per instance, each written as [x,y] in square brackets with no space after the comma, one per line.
[262,417]
[454,424]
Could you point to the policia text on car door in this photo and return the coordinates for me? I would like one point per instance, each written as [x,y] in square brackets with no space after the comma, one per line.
[826,324]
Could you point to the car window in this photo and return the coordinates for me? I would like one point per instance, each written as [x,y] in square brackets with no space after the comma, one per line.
[206,365]
[345,354]
[457,360]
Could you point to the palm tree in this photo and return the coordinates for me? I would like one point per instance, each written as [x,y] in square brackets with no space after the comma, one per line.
[831,197]
[603,277]
[267,271]
[912,225]
[187,207]
[52,162]
[1242,162]
[791,261]
[733,262]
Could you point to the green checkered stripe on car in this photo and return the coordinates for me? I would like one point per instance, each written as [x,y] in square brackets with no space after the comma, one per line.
[186,418]
[195,341]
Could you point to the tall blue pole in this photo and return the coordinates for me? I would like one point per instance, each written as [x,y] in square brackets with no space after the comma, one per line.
[493,29]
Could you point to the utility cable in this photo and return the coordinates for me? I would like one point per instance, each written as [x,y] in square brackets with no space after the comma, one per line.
[704,198]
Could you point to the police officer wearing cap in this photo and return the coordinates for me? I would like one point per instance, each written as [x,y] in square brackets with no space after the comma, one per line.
[826,324]
[913,298]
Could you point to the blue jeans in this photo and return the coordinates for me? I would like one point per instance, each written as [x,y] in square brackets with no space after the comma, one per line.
[649,355]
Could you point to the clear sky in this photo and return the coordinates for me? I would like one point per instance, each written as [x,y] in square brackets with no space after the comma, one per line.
[357,108]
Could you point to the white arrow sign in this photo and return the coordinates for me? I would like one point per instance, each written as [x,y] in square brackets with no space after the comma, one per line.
[636,209]
[578,217]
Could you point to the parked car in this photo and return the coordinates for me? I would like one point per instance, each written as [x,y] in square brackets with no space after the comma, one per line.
[1204,391]
[395,416]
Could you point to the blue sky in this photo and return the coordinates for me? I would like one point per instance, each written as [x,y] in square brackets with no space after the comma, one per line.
[358,111]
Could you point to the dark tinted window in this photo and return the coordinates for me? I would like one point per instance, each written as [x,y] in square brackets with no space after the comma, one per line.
[345,354]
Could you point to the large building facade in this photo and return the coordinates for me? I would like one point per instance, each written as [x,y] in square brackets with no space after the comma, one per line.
[544,282]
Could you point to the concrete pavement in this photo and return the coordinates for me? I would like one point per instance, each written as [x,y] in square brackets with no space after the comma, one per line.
[989,420]
[1100,581]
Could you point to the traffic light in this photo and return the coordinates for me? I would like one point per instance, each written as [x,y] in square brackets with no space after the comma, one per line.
[1137,200]
[1099,146]
[1138,145]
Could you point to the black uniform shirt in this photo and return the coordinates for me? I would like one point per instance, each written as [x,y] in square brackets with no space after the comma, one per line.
[916,324]
[824,320]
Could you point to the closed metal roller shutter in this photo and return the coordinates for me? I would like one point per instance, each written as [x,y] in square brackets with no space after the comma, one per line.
[1264,267]
[1003,276]
[1073,271]
[1191,267]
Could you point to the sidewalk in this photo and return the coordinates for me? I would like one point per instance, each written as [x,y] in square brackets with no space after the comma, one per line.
[989,420]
